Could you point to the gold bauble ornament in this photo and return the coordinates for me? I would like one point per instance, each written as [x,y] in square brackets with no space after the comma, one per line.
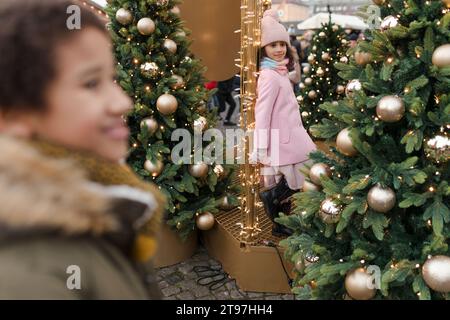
[311,58]
[308,81]
[167,104]
[312,94]
[146,26]
[205,221]
[154,169]
[389,22]
[305,114]
[344,143]
[352,87]
[320,72]
[300,99]
[224,204]
[344,41]
[436,273]
[438,148]
[357,284]
[199,170]
[340,89]
[390,109]
[179,82]
[149,69]
[447,3]
[314,48]
[343,59]
[123,16]
[317,171]
[335,28]
[176,10]
[300,265]
[306,69]
[151,124]
[381,199]
[302,86]
[180,33]
[330,212]
[200,124]
[379,2]
[322,34]
[309,186]
[326,56]
[441,55]
[362,58]
[170,46]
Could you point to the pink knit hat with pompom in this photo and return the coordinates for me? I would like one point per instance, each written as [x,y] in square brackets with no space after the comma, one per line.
[272,30]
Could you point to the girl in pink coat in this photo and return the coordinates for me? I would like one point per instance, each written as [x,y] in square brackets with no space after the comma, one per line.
[281,143]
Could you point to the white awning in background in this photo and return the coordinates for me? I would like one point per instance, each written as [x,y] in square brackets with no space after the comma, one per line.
[345,21]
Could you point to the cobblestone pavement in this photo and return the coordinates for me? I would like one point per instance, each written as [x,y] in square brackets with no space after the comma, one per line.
[179,282]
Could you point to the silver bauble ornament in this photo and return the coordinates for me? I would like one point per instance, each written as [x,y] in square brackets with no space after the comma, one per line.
[320,72]
[344,143]
[154,169]
[170,46]
[352,87]
[441,56]
[149,69]
[224,203]
[124,16]
[151,124]
[335,28]
[390,109]
[309,186]
[200,124]
[317,171]
[343,59]
[330,212]
[179,82]
[199,170]
[359,286]
[322,34]
[438,148]
[146,26]
[381,199]
[312,94]
[205,221]
[436,273]
[306,69]
[340,89]
[389,22]
[326,56]
[176,10]
[167,104]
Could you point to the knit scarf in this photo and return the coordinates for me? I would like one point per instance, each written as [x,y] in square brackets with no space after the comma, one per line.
[280,67]
[109,173]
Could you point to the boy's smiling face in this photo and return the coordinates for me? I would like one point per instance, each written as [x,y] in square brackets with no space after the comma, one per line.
[84,106]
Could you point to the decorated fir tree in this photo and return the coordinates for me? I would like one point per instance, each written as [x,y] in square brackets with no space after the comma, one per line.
[158,71]
[321,82]
[375,219]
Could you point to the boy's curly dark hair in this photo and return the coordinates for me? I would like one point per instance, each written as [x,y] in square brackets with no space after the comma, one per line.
[29,33]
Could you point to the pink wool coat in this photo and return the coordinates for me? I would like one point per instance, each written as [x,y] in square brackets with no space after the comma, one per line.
[278,127]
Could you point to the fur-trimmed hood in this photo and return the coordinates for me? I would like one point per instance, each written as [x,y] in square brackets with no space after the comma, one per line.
[41,193]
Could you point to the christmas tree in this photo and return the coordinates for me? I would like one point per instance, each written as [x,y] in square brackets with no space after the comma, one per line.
[375,219]
[157,70]
[321,82]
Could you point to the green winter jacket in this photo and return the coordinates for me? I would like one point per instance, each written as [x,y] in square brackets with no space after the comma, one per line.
[64,237]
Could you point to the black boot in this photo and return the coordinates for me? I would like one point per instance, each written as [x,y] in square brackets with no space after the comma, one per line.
[272,200]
